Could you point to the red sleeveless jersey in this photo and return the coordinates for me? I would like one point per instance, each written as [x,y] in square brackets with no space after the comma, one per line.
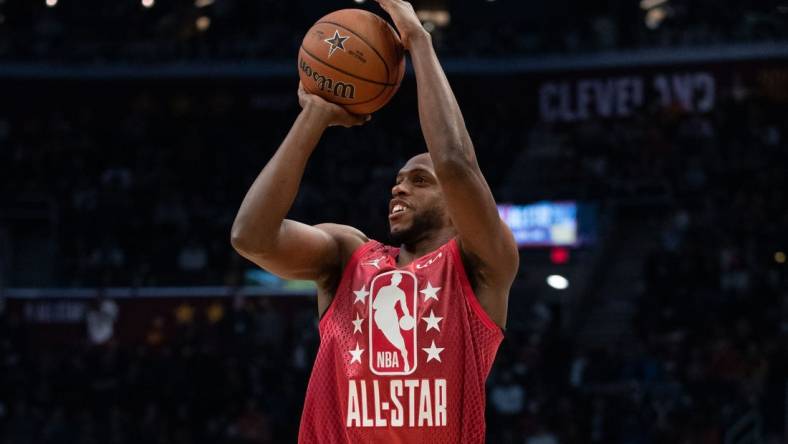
[404,354]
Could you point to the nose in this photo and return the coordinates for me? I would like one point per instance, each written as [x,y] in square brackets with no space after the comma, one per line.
[399,189]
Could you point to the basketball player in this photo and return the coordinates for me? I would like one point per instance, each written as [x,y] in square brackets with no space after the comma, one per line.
[454,259]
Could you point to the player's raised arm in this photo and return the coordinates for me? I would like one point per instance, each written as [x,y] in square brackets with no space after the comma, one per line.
[483,235]
[262,234]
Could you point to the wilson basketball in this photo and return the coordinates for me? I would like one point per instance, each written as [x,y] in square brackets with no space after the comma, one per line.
[353,58]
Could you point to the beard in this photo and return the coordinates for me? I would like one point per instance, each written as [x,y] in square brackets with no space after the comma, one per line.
[422,224]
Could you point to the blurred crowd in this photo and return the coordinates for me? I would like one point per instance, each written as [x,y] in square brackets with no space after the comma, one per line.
[142,188]
[149,31]
[145,190]
[709,343]
[220,375]
[121,186]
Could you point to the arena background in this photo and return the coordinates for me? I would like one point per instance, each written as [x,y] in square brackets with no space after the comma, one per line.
[649,138]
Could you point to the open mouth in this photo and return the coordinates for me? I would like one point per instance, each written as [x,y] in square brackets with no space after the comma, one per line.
[398,207]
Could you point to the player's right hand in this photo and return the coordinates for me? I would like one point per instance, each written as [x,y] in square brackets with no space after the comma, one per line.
[405,19]
[330,114]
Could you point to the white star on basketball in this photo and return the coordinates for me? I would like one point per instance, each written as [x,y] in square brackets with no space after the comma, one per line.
[430,292]
[357,324]
[433,352]
[432,321]
[361,294]
[356,354]
[336,42]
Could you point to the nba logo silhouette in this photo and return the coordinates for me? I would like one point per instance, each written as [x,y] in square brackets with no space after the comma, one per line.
[392,330]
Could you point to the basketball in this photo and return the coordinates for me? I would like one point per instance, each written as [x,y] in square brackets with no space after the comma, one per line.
[406,323]
[353,58]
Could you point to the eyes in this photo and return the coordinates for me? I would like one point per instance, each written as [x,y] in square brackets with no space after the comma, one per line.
[416,179]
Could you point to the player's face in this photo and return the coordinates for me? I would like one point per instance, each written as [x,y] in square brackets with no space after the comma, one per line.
[417,206]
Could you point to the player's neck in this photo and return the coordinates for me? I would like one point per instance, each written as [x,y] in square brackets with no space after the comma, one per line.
[410,252]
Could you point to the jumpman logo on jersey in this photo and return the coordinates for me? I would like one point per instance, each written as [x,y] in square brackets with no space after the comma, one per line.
[430,261]
[374,262]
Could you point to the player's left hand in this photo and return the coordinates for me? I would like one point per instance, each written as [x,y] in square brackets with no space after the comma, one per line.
[406,20]
[330,114]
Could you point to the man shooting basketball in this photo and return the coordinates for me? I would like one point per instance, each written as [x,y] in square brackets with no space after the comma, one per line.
[455,260]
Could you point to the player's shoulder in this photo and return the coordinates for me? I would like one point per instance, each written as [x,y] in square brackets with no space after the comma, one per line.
[348,238]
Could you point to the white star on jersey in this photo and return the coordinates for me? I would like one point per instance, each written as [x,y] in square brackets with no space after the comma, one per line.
[433,352]
[357,324]
[356,353]
[432,321]
[361,294]
[430,292]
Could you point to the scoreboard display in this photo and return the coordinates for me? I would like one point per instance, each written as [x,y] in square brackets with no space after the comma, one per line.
[542,224]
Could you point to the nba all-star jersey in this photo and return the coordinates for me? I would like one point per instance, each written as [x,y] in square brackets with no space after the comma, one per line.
[404,354]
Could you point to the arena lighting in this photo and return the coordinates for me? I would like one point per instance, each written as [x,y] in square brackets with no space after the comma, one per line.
[559,255]
[148,3]
[359,1]
[203,23]
[649,4]
[557,281]
[51,3]
[655,17]
[202,3]
[779,257]
[656,12]
[438,17]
